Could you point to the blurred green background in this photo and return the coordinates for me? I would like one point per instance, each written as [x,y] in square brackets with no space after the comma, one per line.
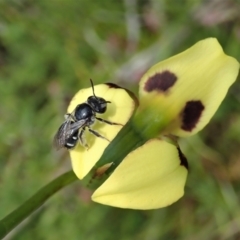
[48,51]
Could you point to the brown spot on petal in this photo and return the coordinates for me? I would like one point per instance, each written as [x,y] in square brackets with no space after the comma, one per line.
[113,85]
[183,159]
[191,115]
[131,94]
[100,171]
[160,82]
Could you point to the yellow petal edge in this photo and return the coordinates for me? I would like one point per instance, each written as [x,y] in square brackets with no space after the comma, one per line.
[204,74]
[150,177]
[119,110]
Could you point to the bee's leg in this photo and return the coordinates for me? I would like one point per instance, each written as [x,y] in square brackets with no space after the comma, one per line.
[67,115]
[108,122]
[81,138]
[97,134]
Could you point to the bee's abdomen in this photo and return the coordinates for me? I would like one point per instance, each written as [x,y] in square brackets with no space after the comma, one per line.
[72,141]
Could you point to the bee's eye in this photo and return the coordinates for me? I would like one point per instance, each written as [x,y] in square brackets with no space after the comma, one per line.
[98,104]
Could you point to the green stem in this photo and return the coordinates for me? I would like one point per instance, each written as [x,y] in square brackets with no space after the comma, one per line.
[144,125]
[126,141]
[33,203]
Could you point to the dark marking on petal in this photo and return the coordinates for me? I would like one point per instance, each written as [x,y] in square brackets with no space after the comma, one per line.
[131,94]
[112,85]
[160,82]
[191,115]
[183,159]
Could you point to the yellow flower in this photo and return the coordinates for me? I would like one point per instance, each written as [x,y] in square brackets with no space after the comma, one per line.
[119,111]
[182,93]
[151,176]
[138,169]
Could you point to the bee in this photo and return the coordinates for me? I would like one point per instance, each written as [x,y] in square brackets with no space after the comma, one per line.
[83,117]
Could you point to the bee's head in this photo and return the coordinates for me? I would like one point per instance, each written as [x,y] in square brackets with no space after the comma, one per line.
[98,104]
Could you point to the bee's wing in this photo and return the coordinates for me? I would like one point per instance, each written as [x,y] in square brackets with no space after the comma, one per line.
[76,125]
[65,131]
[61,135]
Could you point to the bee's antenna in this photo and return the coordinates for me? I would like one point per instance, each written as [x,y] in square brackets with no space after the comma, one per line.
[92,87]
[94,92]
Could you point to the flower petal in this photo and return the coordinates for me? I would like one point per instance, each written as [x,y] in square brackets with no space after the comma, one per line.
[119,111]
[187,89]
[152,176]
